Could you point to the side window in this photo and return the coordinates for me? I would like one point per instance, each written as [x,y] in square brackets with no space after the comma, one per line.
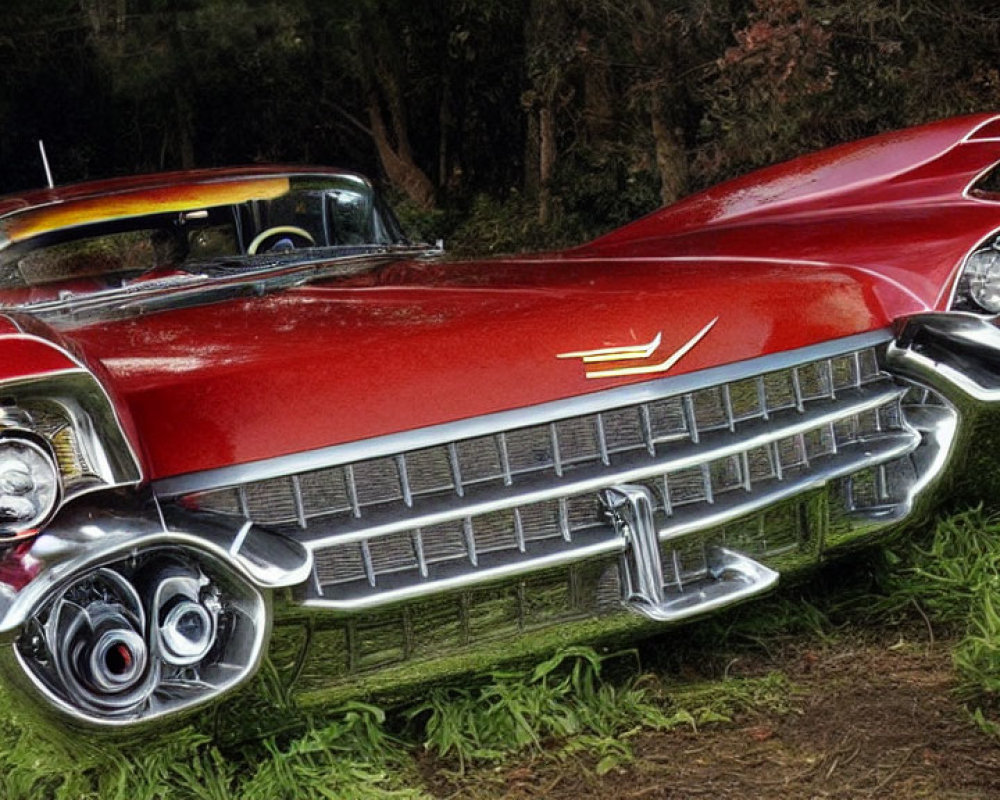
[350,215]
[213,241]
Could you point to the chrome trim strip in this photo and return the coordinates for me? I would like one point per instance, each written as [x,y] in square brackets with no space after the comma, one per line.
[938,373]
[489,424]
[788,488]
[110,408]
[952,334]
[735,577]
[507,570]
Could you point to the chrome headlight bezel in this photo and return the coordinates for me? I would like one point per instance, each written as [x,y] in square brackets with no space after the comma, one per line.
[978,286]
[67,421]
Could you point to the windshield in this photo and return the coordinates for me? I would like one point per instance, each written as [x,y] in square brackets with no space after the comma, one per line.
[307,217]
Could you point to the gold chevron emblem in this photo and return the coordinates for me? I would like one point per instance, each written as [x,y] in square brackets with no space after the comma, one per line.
[636,352]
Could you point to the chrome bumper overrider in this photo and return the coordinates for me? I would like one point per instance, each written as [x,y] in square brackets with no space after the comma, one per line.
[449,548]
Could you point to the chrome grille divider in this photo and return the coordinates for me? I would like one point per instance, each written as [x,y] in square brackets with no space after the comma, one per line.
[630,509]
[730,577]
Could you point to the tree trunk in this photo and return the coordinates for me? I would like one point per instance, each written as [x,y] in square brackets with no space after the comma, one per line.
[532,167]
[546,160]
[444,127]
[185,136]
[671,160]
[598,105]
[397,161]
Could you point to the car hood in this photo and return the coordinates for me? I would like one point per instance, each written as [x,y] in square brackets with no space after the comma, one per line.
[410,345]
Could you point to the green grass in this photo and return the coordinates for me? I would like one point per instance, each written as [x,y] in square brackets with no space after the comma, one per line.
[579,704]
[953,580]
[564,707]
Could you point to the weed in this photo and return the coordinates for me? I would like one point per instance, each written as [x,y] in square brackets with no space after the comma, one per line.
[562,697]
[954,580]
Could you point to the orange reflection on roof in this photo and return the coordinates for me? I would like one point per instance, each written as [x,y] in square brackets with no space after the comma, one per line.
[188,197]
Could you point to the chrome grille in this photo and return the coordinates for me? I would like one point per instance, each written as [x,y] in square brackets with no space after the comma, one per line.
[524,499]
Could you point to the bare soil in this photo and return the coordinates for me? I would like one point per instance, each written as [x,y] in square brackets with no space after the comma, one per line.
[870,719]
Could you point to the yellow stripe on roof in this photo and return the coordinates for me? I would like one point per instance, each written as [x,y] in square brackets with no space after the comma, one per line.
[188,197]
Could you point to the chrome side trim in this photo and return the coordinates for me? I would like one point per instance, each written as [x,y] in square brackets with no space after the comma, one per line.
[505,420]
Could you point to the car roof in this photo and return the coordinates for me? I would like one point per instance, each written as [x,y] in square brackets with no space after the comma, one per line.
[36,211]
[158,180]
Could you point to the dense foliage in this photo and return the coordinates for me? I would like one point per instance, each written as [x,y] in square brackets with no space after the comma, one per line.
[504,122]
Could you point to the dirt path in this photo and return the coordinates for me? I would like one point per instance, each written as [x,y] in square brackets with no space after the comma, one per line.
[871,720]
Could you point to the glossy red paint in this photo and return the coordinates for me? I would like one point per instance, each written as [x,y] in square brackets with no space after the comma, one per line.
[896,204]
[824,247]
[24,357]
[321,365]
[884,170]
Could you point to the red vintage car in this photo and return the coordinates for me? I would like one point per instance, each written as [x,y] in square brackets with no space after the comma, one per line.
[243,420]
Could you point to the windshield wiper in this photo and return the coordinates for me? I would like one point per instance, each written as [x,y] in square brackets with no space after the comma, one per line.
[227,277]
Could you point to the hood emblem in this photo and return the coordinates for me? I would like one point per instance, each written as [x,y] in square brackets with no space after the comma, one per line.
[636,352]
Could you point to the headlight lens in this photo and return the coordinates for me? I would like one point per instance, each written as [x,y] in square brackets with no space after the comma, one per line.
[29,485]
[982,273]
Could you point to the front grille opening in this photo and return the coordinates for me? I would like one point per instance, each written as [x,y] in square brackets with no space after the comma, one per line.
[470,510]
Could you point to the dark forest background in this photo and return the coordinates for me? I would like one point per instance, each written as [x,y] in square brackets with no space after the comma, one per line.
[493,123]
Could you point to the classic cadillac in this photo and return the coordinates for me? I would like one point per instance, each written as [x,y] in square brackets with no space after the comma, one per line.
[247,427]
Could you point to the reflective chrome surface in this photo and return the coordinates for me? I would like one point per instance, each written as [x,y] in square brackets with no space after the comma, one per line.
[416,523]
[120,614]
[101,646]
[74,416]
[730,577]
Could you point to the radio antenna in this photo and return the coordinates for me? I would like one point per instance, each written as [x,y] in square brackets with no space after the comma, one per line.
[45,163]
